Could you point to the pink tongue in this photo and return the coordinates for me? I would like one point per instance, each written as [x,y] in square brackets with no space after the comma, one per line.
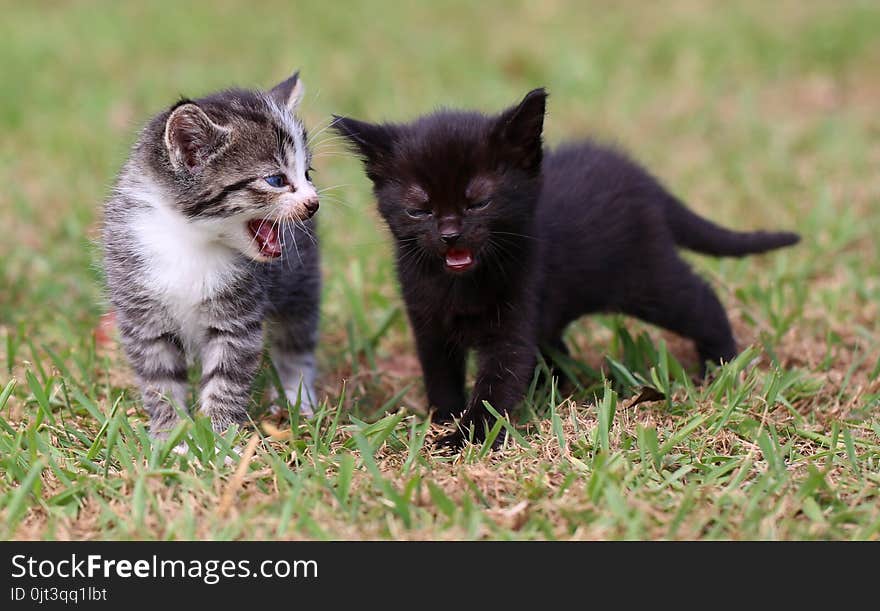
[459,258]
[266,237]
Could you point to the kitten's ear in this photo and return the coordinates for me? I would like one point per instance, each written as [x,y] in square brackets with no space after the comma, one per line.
[289,93]
[517,132]
[374,143]
[192,138]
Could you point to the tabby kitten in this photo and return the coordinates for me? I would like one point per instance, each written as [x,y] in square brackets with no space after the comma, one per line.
[207,235]
[500,245]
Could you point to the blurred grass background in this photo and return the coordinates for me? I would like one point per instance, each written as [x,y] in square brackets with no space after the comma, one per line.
[757,114]
[751,114]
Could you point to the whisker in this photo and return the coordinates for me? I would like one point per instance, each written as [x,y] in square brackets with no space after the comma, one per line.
[319,154]
[295,246]
[305,229]
[334,187]
[285,260]
[259,227]
[327,139]
[517,235]
[320,131]
[495,256]
[335,200]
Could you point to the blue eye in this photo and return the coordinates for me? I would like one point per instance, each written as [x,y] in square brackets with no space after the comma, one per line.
[417,213]
[482,205]
[276,180]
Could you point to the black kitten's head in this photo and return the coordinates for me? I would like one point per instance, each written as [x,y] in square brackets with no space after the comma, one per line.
[457,189]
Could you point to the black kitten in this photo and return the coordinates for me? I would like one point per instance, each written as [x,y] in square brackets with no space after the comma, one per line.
[500,246]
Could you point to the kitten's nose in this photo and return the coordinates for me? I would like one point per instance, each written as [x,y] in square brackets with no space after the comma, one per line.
[311,205]
[450,237]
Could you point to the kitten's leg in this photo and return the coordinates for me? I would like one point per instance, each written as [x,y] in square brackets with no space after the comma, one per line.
[292,348]
[230,361]
[159,363]
[681,301]
[293,318]
[443,370]
[505,369]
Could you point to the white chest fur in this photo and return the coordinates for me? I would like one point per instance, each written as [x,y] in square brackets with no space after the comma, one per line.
[185,266]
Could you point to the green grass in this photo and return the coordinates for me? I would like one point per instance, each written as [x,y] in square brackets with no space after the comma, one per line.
[757,118]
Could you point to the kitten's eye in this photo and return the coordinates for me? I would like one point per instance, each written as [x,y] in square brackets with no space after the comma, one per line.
[309,174]
[481,205]
[276,180]
[418,213]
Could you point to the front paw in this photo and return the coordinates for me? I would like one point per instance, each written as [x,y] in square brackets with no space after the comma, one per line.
[452,442]
[307,401]
[162,425]
[468,431]
[442,416]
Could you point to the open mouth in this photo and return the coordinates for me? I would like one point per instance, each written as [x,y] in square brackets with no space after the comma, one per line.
[459,259]
[264,234]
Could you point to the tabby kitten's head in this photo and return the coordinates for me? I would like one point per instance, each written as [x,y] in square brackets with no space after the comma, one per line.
[457,189]
[236,164]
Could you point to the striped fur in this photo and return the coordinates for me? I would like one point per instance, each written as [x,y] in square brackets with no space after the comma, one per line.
[183,274]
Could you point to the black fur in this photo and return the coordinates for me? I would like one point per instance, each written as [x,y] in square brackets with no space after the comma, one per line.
[567,232]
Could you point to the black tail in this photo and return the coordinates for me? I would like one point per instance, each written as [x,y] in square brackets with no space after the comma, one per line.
[696,233]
